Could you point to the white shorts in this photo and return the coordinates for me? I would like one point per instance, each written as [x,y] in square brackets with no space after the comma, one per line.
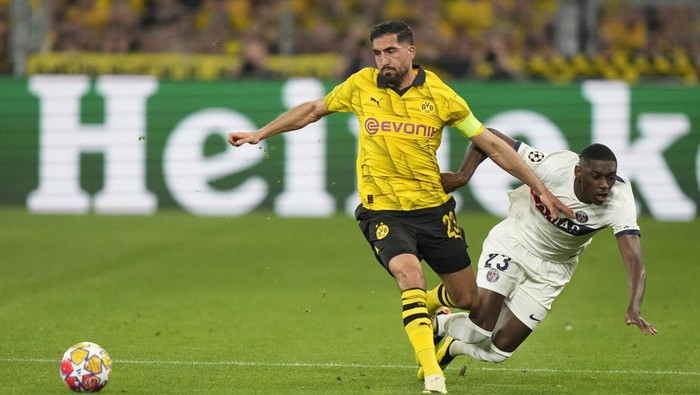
[529,283]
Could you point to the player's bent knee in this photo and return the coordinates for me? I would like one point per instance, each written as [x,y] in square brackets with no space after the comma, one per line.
[467,301]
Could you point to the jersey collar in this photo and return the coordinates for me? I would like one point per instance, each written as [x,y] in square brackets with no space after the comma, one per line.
[418,81]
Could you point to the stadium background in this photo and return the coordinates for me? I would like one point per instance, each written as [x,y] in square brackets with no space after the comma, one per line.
[558,74]
[551,40]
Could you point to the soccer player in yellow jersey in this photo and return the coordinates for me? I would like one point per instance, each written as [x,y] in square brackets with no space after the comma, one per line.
[405,214]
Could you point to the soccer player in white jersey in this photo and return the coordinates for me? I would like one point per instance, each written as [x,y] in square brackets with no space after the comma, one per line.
[529,257]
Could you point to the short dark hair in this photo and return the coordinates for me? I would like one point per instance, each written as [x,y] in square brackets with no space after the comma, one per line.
[400,28]
[598,152]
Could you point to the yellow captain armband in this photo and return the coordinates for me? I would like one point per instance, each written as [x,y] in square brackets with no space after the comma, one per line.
[470,127]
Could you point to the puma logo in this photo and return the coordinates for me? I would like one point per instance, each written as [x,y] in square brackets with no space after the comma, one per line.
[375,100]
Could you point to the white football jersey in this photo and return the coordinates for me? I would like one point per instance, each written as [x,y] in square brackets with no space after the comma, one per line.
[563,239]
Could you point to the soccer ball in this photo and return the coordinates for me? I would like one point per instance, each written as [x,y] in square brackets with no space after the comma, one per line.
[86,367]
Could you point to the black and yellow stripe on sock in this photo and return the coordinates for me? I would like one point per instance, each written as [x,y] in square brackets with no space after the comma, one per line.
[416,322]
[438,297]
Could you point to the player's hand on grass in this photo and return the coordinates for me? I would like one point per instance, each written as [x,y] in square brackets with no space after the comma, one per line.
[237,139]
[645,327]
[555,205]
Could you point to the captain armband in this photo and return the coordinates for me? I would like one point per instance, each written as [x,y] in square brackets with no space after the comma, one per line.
[470,127]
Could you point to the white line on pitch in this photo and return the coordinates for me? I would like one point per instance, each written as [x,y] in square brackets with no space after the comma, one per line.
[363,366]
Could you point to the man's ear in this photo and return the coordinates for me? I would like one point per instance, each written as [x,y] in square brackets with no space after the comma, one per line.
[577,171]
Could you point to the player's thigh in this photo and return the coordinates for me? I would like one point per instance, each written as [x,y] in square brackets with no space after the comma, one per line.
[461,287]
[441,241]
[498,272]
[532,301]
[498,278]
[490,306]
[543,283]
[511,331]
[387,235]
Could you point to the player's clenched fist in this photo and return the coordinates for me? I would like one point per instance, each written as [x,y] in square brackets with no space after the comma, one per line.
[237,139]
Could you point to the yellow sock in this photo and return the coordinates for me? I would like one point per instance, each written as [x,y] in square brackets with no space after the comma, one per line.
[416,322]
[438,297]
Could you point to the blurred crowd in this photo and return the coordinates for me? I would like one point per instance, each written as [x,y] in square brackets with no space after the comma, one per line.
[485,39]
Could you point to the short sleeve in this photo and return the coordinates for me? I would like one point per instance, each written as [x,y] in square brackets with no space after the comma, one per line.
[625,210]
[532,157]
[340,98]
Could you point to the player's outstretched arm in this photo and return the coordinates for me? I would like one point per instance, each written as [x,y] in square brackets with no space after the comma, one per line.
[506,158]
[294,119]
[631,251]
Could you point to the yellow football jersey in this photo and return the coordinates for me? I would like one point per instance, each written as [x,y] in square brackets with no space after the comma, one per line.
[397,166]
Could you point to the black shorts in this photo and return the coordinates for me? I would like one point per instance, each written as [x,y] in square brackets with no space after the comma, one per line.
[431,234]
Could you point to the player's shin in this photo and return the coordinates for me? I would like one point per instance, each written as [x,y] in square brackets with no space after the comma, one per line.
[484,351]
[461,327]
[418,327]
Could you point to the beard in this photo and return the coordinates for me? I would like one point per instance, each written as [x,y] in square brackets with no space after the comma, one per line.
[392,75]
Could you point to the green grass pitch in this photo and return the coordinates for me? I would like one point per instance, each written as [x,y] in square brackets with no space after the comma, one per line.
[266,305]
